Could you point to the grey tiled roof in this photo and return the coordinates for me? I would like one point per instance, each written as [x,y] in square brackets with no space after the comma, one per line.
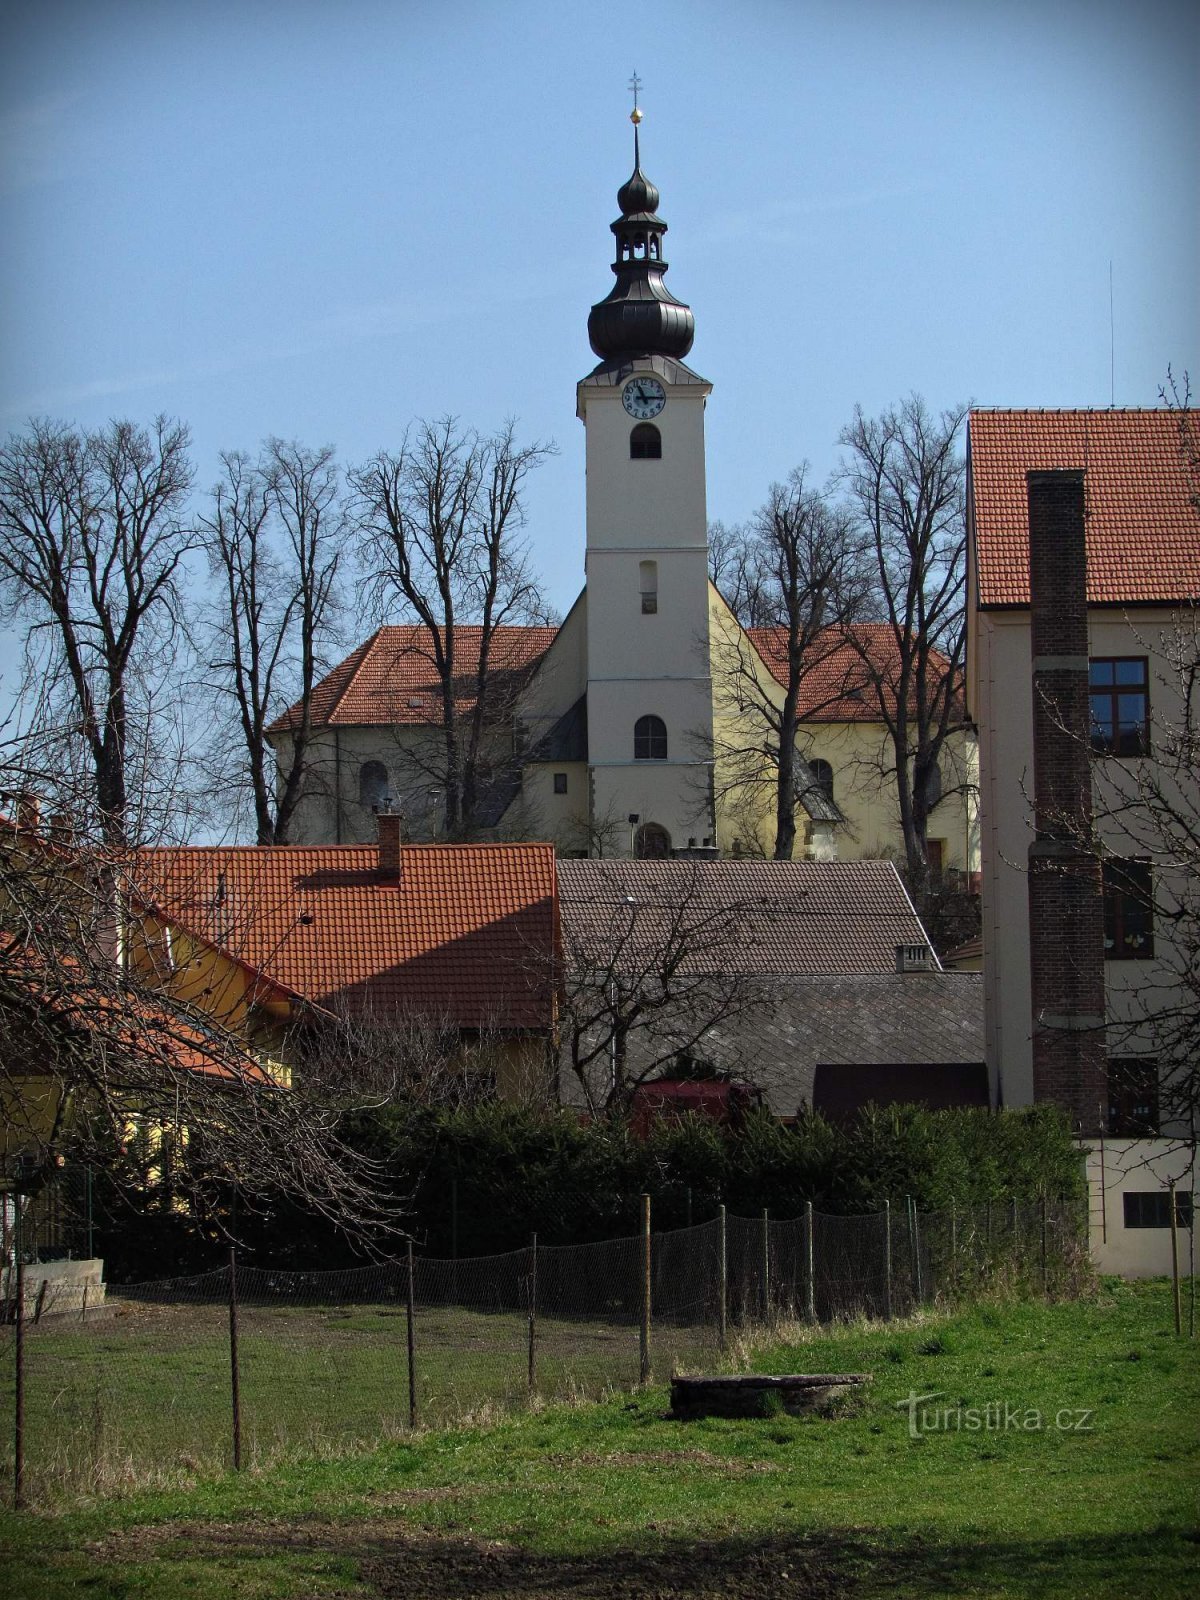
[798,918]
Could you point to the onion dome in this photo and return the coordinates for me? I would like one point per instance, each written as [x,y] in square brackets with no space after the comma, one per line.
[640,317]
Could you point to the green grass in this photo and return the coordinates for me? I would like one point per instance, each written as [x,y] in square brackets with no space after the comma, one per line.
[850,1505]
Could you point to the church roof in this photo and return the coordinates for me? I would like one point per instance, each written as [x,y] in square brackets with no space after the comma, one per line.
[467,934]
[1143,528]
[836,686]
[391,680]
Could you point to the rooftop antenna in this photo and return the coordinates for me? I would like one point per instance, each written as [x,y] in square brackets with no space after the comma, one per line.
[1112,346]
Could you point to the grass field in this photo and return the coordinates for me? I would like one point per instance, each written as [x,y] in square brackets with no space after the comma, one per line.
[1097,1499]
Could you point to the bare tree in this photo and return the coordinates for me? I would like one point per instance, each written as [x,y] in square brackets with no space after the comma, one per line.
[112,1054]
[440,529]
[906,478]
[92,538]
[276,539]
[652,961]
[801,578]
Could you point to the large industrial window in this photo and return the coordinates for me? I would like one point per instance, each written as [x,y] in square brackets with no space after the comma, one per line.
[649,739]
[1132,1096]
[1128,910]
[1120,694]
[645,443]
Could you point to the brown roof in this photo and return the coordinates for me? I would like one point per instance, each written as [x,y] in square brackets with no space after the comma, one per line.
[802,918]
[836,685]
[467,935]
[1143,530]
[392,679]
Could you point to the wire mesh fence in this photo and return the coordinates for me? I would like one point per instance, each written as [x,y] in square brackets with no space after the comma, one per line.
[162,1381]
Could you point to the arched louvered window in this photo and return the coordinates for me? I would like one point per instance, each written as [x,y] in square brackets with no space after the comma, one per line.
[645,443]
[649,739]
[652,842]
[372,784]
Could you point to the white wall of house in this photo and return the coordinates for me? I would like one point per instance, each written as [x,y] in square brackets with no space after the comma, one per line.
[1141,1168]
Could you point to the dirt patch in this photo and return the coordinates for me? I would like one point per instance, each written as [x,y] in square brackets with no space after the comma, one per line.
[730,1465]
[397,1562]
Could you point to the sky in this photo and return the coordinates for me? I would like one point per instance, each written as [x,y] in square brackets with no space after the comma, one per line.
[322,221]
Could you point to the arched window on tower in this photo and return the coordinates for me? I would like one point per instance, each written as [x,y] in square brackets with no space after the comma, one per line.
[652,842]
[648,583]
[372,784]
[649,739]
[645,443]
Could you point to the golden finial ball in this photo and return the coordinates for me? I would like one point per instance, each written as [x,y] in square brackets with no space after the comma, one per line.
[636,115]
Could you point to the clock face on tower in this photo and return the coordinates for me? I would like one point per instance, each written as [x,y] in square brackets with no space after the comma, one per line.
[643,397]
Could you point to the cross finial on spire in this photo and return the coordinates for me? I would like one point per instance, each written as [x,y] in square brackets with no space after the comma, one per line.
[635,116]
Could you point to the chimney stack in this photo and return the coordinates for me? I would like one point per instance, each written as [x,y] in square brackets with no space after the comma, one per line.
[389,847]
[1066,905]
[29,811]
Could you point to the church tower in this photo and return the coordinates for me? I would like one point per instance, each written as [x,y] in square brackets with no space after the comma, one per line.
[649,689]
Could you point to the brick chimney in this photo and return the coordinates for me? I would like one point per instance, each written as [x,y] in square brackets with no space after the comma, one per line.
[29,811]
[389,847]
[1066,906]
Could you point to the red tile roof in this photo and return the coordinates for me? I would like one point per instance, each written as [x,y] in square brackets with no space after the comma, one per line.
[1143,528]
[391,679]
[797,918]
[467,935]
[836,686]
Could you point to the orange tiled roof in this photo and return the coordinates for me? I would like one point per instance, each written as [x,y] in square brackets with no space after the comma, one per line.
[391,678]
[835,686]
[1143,529]
[467,935]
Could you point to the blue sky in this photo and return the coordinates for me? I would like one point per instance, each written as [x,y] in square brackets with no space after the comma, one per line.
[323,220]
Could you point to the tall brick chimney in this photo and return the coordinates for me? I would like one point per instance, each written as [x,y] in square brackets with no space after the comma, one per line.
[389,847]
[1066,906]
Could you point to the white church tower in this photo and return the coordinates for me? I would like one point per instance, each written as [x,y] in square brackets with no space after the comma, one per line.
[649,690]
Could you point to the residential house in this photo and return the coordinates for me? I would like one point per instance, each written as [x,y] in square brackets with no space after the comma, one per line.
[1084,573]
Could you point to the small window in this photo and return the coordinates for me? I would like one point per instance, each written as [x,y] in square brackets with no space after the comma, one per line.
[1120,696]
[823,777]
[649,739]
[648,584]
[645,443]
[652,842]
[560,783]
[1132,1096]
[372,784]
[1128,911]
[1151,1208]
[935,856]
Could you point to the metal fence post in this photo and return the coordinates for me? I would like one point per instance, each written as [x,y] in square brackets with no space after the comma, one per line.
[953,1245]
[1045,1249]
[914,1243]
[887,1259]
[532,1315]
[412,1361]
[722,1280]
[19,1377]
[766,1265]
[810,1275]
[644,1365]
[235,1377]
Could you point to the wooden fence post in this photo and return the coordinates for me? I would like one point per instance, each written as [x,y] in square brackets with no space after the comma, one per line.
[235,1376]
[810,1275]
[532,1315]
[412,1359]
[644,1373]
[722,1280]
[19,1377]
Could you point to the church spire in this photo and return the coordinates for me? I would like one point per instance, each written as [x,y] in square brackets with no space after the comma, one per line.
[640,316]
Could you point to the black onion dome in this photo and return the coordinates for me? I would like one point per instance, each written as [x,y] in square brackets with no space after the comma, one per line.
[640,317]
